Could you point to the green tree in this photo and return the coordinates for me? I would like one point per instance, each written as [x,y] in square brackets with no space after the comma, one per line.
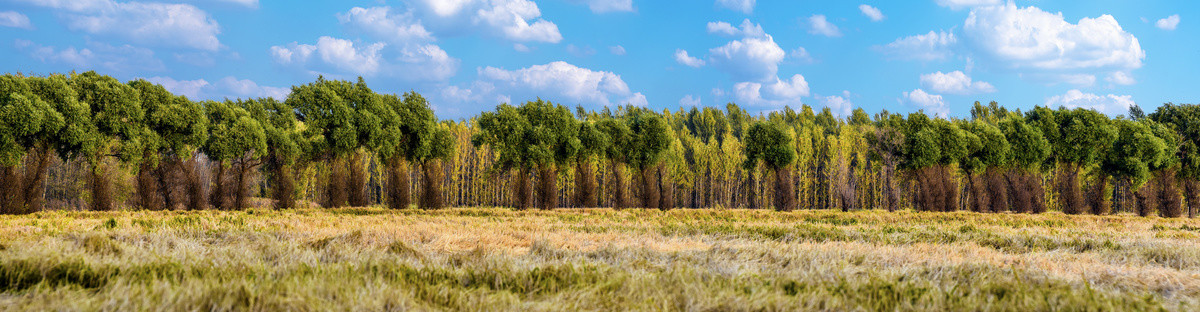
[649,140]
[1079,138]
[329,112]
[1028,152]
[1132,156]
[177,129]
[592,142]
[538,134]
[771,145]
[235,139]
[1184,119]
[117,115]
[284,149]
[411,135]
[989,150]
[26,124]
[617,152]
[72,140]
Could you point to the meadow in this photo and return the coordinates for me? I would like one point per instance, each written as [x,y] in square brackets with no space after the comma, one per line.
[595,259]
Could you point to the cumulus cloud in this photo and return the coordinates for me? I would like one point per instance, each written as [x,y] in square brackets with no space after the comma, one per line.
[515,20]
[682,57]
[1168,23]
[932,103]
[417,62]
[146,23]
[801,54]
[871,12]
[1032,39]
[955,82]
[744,6]
[228,87]
[959,4]
[98,56]
[747,29]
[1109,104]
[928,47]
[818,25]
[1120,78]
[839,105]
[749,59]
[617,50]
[383,23]
[689,100]
[605,6]
[558,81]
[15,20]
[774,95]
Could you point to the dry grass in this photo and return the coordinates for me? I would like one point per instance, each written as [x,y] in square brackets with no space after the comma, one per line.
[595,259]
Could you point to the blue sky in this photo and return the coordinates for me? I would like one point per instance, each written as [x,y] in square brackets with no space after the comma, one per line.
[466,56]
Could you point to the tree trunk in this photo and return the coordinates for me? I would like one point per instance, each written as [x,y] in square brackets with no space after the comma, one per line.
[167,182]
[431,185]
[101,188]
[1168,194]
[356,183]
[10,190]
[785,197]
[35,178]
[195,187]
[620,198]
[243,190]
[524,189]
[147,189]
[1147,199]
[1098,199]
[398,184]
[585,184]
[284,188]
[216,197]
[337,190]
[1022,200]
[1070,194]
[1192,192]
[547,186]
[666,198]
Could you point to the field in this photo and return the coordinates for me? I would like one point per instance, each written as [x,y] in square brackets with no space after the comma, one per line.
[595,259]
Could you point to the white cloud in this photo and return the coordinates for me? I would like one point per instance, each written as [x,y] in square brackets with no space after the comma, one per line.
[617,50]
[416,62]
[1169,23]
[96,55]
[689,100]
[604,6]
[928,47]
[932,103]
[578,51]
[744,6]
[516,20]
[801,54]
[776,94]
[253,4]
[1108,104]
[747,29]
[159,24]
[557,81]
[682,57]
[382,23]
[871,12]
[1032,39]
[1120,78]
[749,59]
[955,82]
[839,105]
[228,87]
[14,19]
[818,25]
[959,4]
[521,47]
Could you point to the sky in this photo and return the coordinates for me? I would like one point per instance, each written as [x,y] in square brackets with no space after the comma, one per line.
[467,56]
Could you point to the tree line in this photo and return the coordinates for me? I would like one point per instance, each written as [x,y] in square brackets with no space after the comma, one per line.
[89,141]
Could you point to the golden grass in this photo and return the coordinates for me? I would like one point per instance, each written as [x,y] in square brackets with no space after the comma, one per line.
[595,259]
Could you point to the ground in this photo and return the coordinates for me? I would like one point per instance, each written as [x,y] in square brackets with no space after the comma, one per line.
[595,259]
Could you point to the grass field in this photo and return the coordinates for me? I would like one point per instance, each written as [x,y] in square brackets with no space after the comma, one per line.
[689,260]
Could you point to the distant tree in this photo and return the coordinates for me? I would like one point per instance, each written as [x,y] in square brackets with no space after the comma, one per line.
[592,142]
[771,145]
[887,147]
[537,134]
[26,124]
[117,115]
[235,139]
[1079,139]
[178,128]
[932,146]
[1184,119]
[988,154]
[331,133]
[72,140]
[412,135]
[650,139]
[620,138]
[1134,153]
[284,146]
[1028,152]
